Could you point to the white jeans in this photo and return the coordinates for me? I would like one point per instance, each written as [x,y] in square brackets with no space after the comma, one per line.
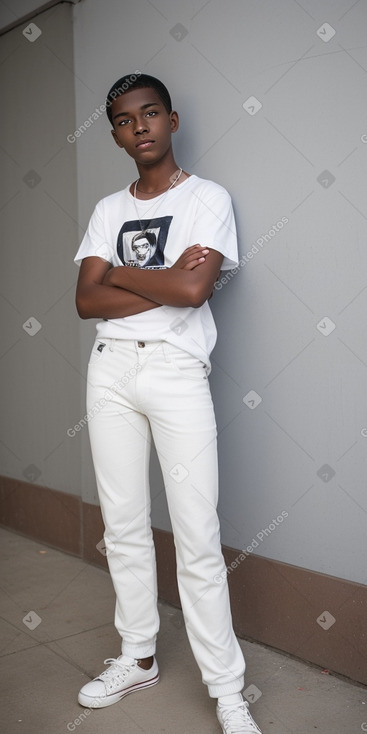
[138,391]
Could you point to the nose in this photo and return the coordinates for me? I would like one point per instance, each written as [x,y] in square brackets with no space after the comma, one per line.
[140,126]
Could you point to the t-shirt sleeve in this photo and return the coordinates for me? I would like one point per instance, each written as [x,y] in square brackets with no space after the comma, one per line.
[215,226]
[94,242]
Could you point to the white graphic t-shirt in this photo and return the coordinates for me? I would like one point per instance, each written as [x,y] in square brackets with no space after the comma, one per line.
[197,211]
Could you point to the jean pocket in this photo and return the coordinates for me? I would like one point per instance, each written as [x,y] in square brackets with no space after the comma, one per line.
[187,365]
[99,347]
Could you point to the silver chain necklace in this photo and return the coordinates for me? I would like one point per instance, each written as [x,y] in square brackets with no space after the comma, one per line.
[161,198]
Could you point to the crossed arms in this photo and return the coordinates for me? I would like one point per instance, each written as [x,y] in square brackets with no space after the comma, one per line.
[111,293]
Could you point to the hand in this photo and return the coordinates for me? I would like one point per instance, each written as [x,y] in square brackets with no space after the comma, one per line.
[191,258]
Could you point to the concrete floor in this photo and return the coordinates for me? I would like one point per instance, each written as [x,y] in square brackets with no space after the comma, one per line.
[56,630]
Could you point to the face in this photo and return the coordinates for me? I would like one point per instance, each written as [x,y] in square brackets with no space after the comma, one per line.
[142,125]
[141,248]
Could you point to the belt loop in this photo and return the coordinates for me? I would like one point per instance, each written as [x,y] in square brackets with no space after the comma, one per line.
[112,345]
[166,352]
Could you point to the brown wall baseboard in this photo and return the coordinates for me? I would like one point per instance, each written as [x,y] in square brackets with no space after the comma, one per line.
[41,513]
[287,607]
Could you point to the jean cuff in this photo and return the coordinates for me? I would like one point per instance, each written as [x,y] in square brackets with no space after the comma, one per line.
[226,689]
[138,652]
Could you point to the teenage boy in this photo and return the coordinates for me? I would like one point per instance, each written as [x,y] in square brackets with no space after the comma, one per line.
[148,372]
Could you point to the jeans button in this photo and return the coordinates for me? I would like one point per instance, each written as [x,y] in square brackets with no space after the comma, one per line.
[141,344]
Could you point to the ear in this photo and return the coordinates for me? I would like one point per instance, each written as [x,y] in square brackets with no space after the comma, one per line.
[116,139]
[174,121]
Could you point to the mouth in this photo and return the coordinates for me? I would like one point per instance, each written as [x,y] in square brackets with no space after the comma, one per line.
[144,143]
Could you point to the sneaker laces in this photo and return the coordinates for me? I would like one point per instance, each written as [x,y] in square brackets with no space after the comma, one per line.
[117,672]
[235,716]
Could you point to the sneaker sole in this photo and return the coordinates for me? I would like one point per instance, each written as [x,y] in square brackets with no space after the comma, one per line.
[99,703]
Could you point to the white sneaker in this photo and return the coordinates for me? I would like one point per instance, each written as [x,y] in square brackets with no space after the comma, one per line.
[122,677]
[236,719]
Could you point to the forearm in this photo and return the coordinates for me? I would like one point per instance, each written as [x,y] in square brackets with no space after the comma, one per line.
[106,302]
[171,287]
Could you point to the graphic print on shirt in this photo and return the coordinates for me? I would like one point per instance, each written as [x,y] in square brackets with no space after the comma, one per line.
[143,249]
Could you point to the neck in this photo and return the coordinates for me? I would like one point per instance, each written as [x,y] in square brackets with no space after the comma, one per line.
[153,179]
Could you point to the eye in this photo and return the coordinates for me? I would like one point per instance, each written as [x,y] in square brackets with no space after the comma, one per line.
[151,112]
[123,122]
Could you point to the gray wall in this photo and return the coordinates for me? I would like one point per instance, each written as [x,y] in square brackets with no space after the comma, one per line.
[302,157]
[39,348]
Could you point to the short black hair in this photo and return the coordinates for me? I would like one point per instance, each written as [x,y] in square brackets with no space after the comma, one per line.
[137,81]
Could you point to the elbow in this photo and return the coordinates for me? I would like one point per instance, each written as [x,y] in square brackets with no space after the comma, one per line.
[198,296]
[82,314]
[198,302]
[198,291]
[82,309]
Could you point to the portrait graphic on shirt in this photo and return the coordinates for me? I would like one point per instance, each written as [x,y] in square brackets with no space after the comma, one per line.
[141,244]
